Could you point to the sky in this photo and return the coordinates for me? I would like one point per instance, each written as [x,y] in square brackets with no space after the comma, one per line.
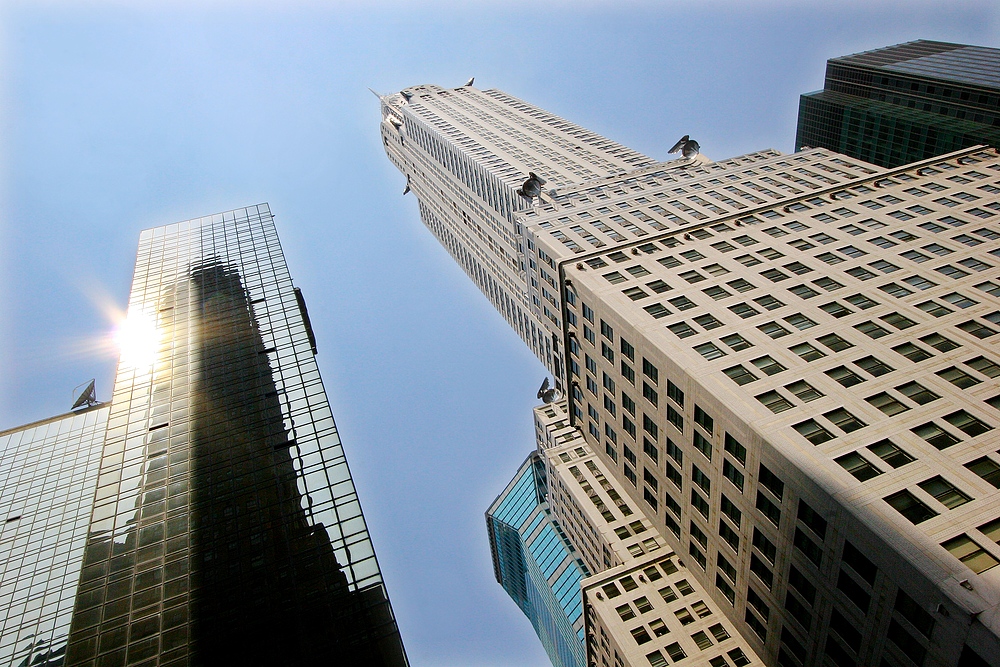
[118,116]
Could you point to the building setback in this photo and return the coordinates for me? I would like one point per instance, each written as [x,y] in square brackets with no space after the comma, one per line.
[787,363]
[221,525]
[904,103]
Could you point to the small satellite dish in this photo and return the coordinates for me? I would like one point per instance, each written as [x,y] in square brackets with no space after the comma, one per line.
[87,397]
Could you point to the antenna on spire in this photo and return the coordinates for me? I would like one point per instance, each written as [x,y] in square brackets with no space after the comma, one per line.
[376,94]
[87,397]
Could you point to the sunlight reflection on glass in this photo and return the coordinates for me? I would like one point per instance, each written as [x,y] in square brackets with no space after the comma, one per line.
[137,338]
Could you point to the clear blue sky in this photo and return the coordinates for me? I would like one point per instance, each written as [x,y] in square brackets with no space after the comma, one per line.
[113,119]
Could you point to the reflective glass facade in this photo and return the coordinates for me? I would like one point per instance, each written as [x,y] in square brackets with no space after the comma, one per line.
[225,526]
[905,103]
[48,471]
[537,566]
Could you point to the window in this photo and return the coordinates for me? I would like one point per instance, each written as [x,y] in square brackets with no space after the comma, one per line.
[836,309]
[736,342]
[736,449]
[771,482]
[844,376]
[944,492]
[805,544]
[917,393]
[871,329]
[976,329]
[649,394]
[939,342]
[860,273]
[798,268]
[829,258]
[733,513]
[873,366]
[912,352]
[774,401]
[914,256]
[675,418]
[803,291]
[744,310]
[702,419]
[699,503]
[614,277]
[650,371]
[861,301]
[773,329]
[934,308]
[800,321]
[807,351]
[716,292]
[970,553]
[682,303]
[966,423]
[984,366]
[768,365]
[834,342]
[890,453]
[739,375]
[731,538]
[935,435]
[987,469]
[763,573]
[883,266]
[774,275]
[827,283]
[887,404]
[844,420]
[804,391]
[952,271]
[730,472]
[858,466]
[893,289]
[769,302]
[703,445]
[768,509]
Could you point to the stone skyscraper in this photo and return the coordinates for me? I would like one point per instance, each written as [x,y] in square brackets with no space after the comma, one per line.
[782,366]
[212,517]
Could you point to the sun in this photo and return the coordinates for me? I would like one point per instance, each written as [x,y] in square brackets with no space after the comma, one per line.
[137,338]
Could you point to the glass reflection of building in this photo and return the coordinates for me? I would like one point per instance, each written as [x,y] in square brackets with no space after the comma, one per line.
[225,527]
[48,472]
[536,564]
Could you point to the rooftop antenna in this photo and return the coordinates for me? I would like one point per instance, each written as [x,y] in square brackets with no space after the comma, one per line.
[87,397]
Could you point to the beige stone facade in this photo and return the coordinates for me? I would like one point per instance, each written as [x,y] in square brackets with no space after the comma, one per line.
[789,363]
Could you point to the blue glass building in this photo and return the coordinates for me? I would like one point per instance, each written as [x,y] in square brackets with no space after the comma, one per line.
[537,566]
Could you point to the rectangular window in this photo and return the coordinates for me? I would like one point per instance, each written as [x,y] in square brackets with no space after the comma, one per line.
[805,544]
[731,511]
[675,394]
[703,445]
[768,508]
[844,420]
[736,449]
[907,504]
[944,492]
[970,553]
[675,418]
[650,371]
[739,375]
[699,503]
[887,451]
[650,394]
[858,466]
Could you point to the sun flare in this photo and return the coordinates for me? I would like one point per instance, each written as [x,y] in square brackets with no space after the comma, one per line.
[137,338]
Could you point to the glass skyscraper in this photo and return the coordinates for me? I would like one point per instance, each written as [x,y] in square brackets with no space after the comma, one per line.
[536,564]
[224,527]
[904,103]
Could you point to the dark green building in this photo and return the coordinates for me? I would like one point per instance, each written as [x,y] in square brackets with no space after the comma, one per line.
[904,103]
